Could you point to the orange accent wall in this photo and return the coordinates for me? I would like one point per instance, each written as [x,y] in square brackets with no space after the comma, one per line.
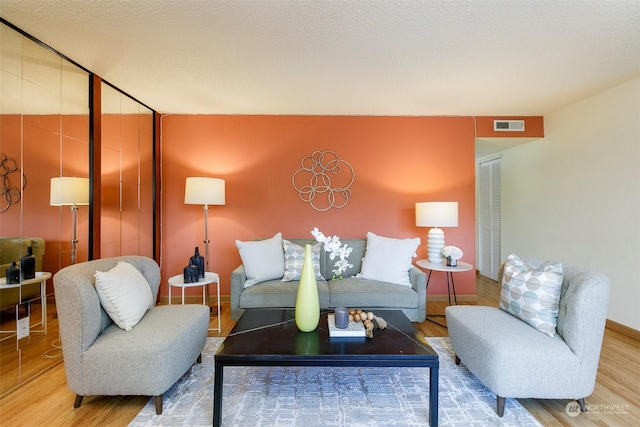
[398,161]
[533,127]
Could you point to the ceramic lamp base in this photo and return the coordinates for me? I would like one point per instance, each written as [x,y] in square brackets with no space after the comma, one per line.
[435,243]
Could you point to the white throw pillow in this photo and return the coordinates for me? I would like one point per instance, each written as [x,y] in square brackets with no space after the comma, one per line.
[262,259]
[124,294]
[388,260]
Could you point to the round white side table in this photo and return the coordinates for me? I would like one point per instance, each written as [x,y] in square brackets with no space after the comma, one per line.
[427,265]
[209,278]
[41,277]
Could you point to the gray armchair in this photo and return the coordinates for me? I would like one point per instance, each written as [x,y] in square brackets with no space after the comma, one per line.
[515,360]
[102,359]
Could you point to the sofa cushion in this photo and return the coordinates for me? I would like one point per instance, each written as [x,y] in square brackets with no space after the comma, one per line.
[263,259]
[278,294]
[294,260]
[532,292]
[388,260]
[124,293]
[150,358]
[362,293]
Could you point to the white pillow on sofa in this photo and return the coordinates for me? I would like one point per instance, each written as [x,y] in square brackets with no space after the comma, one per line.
[262,259]
[124,293]
[388,260]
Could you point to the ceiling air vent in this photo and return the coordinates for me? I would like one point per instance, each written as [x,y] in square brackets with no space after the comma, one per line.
[508,125]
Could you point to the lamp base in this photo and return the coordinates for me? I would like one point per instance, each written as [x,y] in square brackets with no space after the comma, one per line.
[435,243]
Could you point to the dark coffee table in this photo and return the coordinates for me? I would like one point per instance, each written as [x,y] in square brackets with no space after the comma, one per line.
[264,337]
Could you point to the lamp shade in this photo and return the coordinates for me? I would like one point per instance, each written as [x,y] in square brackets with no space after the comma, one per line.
[437,214]
[204,191]
[69,191]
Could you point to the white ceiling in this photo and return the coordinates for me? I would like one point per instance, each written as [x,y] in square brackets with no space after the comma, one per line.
[345,57]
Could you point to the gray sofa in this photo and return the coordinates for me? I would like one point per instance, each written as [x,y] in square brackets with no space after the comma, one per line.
[102,359]
[515,360]
[347,292]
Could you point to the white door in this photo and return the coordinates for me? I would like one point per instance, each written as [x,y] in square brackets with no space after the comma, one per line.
[490,218]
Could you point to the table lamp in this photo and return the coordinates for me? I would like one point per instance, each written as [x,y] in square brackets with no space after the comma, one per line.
[74,192]
[204,191]
[436,214]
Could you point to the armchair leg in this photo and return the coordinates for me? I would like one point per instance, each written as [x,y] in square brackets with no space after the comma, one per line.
[500,408]
[78,401]
[199,359]
[457,360]
[583,406]
[158,402]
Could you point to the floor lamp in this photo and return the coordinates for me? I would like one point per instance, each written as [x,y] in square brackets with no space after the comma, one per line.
[204,191]
[74,192]
[436,214]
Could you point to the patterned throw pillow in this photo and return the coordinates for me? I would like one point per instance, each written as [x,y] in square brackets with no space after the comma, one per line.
[532,292]
[294,258]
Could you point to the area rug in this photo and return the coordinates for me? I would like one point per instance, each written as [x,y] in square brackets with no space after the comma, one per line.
[316,396]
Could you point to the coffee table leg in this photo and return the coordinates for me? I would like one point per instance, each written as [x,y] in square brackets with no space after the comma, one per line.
[217,394]
[433,396]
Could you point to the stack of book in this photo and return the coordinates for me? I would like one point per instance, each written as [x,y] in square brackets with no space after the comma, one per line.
[355,329]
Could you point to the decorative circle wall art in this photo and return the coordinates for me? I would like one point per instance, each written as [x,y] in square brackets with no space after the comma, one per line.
[324,180]
[10,194]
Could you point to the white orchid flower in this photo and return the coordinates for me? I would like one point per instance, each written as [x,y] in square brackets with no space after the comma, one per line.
[334,247]
[344,251]
[318,235]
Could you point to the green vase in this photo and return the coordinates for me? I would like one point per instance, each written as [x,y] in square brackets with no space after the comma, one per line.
[307,301]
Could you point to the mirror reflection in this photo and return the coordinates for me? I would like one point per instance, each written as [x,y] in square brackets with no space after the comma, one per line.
[44,145]
[44,134]
[126,216]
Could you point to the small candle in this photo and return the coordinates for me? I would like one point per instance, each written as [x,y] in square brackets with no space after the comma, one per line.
[342,317]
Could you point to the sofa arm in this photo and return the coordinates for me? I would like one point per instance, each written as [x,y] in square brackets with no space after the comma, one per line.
[238,279]
[418,280]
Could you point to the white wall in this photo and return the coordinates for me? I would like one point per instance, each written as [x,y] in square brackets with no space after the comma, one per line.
[574,196]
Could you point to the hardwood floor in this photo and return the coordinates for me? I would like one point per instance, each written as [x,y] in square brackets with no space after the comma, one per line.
[33,355]
[46,400]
